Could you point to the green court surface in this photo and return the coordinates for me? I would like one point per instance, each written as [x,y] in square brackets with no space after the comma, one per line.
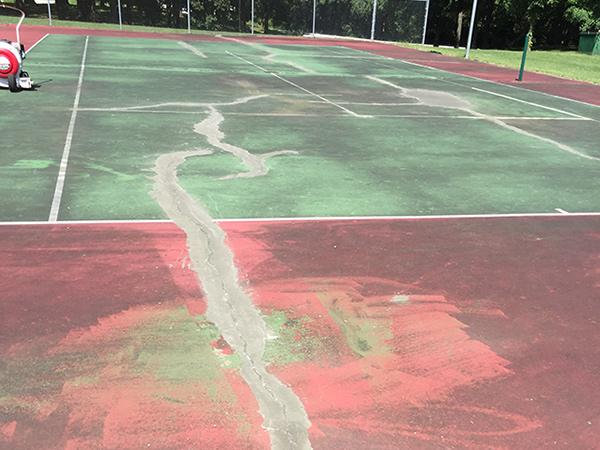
[359,135]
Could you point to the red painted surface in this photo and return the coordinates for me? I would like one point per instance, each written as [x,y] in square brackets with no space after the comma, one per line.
[86,314]
[416,334]
[492,342]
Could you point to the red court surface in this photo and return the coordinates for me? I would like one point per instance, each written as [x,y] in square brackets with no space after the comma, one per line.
[421,334]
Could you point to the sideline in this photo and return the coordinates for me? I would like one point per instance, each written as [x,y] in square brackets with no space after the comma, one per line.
[62,173]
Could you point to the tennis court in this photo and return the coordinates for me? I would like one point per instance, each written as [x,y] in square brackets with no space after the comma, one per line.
[245,243]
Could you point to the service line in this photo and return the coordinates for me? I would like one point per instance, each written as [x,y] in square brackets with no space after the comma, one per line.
[291,83]
[531,103]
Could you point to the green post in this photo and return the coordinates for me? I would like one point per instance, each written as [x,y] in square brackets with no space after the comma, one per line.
[524,56]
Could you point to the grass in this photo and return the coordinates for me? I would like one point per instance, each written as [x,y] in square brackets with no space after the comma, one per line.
[565,64]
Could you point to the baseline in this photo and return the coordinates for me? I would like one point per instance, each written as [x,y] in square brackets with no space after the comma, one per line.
[560,213]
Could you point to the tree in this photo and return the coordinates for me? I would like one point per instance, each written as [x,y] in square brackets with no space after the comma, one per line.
[584,13]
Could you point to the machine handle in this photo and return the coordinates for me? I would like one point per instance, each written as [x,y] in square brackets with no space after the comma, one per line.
[2,5]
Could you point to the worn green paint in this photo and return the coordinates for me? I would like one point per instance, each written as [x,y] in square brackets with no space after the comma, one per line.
[294,342]
[182,353]
[174,347]
[30,375]
[364,336]
[33,164]
[431,160]
[395,167]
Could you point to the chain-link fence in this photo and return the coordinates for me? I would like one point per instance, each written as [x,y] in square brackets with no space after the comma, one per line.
[395,20]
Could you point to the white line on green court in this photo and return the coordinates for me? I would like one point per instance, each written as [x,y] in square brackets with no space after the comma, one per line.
[531,103]
[318,219]
[320,115]
[494,83]
[192,49]
[62,173]
[34,45]
[85,222]
[430,217]
[291,83]
[453,102]
[271,55]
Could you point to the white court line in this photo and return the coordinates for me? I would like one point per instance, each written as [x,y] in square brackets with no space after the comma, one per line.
[423,66]
[346,110]
[560,111]
[192,49]
[60,182]
[85,222]
[495,83]
[148,110]
[532,104]
[431,217]
[315,219]
[319,115]
[33,46]
[562,211]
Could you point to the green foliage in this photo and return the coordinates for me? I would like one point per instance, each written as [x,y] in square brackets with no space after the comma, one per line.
[585,14]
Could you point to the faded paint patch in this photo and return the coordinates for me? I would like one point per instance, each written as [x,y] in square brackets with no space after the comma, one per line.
[144,376]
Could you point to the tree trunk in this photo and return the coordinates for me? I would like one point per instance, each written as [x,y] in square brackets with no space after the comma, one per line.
[459,29]
[86,10]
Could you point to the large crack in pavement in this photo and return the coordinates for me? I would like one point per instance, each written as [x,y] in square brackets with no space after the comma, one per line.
[230,307]
[210,128]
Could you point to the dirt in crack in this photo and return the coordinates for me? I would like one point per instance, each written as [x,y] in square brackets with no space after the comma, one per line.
[229,306]
[210,128]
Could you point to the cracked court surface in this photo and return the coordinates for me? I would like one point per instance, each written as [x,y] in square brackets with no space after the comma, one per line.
[274,184]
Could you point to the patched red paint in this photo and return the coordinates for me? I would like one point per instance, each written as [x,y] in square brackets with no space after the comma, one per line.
[480,311]
[222,345]
[68,276]
[81,305]
[467,333]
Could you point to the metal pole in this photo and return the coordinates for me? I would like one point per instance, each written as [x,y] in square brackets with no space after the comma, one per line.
[314,16]
[471,28]
[240,16]
[524,56]
[252,16]
[425,21]
[189,17]
[49,13]
[373,21]
[120,19]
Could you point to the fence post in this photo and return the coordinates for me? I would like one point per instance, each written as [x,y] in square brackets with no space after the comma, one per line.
[373,21]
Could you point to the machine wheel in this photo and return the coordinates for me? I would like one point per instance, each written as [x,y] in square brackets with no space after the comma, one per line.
[12,83]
